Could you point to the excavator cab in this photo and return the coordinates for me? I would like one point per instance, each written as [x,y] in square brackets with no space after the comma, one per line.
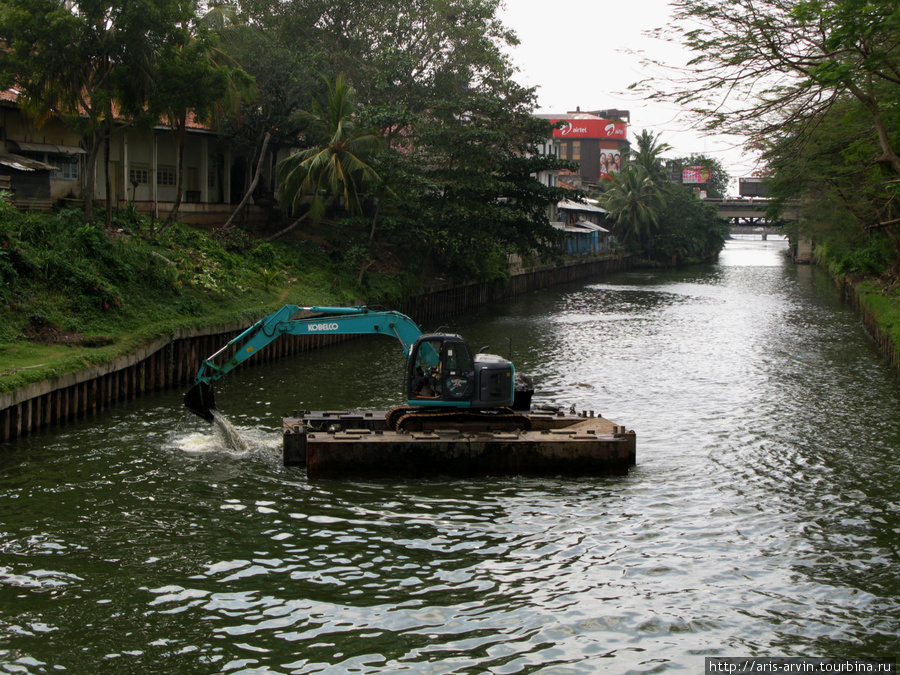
[440,369]
[443,372]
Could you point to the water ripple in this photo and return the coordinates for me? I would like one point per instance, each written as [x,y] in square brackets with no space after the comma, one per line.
[761,519]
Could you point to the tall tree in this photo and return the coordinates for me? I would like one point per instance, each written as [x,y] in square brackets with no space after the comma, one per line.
[399,57]
[472,196]
[432,75]
[80,60]
[288,77]
[844,198]
[195,80]
[649,155]
[762,66]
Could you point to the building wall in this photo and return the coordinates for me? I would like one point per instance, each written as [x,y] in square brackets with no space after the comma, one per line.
[143,166]
[29,185]
[589,151]
[585,136]
[63,183]
[549,178]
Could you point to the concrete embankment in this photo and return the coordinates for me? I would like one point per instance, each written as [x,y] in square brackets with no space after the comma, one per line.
[173,361]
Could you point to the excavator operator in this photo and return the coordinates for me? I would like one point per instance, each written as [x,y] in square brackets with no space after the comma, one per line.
[429,384]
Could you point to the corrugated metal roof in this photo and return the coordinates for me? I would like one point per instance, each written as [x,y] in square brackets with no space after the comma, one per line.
[24,163]
[593,227]
[569,205]
[28,146]
[574,229]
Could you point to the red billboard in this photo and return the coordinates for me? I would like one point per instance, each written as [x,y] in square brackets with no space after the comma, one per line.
[591,128]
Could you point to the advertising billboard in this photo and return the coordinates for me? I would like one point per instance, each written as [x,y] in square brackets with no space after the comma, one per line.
[591,128]
[694,174]
[610,163]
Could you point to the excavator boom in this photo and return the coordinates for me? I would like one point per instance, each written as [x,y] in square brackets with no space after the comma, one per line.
[327,321]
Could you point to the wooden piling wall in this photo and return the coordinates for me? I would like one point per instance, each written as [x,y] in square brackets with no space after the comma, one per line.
[886,344]
[173,361]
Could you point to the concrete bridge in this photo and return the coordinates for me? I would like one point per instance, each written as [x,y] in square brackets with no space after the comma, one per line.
[746,211]
[741,211]
[747,215]
[761,230]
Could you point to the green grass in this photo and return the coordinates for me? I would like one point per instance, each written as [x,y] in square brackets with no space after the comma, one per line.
[94,295]
[883,308]
[864,265]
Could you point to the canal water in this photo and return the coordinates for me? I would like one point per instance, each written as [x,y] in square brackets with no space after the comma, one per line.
[762,518]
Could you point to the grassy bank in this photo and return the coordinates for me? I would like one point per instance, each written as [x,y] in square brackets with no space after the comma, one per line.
[869,269]
[884,309]
[74,294]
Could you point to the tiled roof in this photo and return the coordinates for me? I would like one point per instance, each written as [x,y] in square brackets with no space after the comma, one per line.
[12,96]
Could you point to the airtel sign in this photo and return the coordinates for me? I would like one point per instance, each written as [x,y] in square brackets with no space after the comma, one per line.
[592,128]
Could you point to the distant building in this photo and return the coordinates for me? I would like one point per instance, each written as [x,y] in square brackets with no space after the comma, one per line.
[583,225]
[550,147]
[597,140]
[39,166]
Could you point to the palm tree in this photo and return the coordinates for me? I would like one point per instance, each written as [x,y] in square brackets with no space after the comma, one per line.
[648,156]
[634,202]
[337,164]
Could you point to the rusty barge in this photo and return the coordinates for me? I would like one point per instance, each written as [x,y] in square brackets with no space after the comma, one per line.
[361,444]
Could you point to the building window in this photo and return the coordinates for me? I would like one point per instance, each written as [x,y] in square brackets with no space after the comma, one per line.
[166,176]
[138,175]
[576,149]
[66,167]
[564,151]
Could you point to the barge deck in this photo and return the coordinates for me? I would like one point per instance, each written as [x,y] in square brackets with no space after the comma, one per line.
[359,444]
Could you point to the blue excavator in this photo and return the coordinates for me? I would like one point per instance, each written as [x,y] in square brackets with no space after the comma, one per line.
[445,381]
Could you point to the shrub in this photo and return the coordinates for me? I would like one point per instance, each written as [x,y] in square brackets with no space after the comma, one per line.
[264,254]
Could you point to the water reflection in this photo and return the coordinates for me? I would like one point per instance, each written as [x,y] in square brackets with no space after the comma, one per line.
[762,517]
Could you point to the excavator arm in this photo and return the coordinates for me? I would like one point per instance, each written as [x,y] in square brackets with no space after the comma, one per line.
[328,321]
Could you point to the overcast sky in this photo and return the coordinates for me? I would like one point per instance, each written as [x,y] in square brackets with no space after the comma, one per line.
[585,53]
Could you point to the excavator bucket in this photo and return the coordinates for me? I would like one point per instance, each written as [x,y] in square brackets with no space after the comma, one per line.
[201,401]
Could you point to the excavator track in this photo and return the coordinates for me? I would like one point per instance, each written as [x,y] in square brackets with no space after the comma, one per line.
[410,418]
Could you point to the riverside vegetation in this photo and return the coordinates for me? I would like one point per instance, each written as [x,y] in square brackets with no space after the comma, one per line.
[812,88]
[75,294]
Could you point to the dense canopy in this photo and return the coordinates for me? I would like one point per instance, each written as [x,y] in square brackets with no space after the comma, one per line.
[453,157]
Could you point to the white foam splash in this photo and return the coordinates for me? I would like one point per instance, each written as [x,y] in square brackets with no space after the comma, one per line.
[225,438]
